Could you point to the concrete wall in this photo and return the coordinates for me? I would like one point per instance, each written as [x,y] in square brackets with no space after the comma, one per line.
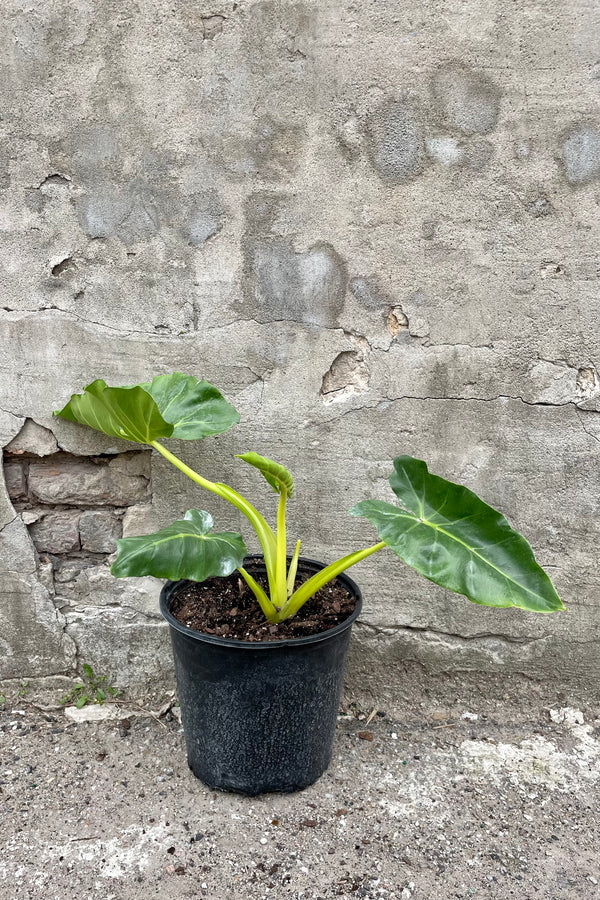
[374,225]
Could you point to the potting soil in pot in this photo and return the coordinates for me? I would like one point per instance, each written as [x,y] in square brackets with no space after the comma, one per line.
[227,607]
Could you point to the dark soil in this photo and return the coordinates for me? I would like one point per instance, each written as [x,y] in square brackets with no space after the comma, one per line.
[227,607]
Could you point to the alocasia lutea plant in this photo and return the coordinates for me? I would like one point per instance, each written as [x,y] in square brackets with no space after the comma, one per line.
[441,529]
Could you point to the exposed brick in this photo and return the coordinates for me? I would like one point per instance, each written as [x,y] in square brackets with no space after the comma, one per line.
[66,479]
[99,531]
[68,568]
[56,532]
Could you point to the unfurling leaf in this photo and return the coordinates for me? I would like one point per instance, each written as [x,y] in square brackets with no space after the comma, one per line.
[186,549]
[449,535]
[277,475]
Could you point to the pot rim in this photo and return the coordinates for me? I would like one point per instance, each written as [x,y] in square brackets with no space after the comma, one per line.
[168,588]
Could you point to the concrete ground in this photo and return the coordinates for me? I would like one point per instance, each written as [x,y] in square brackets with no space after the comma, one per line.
[471,787]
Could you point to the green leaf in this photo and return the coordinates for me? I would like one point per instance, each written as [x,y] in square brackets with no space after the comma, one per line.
[449,535]
[194,408]
[81,701]
[185,549]
[88,671]
[277,475]
[123,412]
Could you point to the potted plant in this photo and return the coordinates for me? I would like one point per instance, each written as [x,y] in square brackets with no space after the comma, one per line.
[259,701]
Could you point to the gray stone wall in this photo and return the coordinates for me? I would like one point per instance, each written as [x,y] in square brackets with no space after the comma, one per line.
[373,225]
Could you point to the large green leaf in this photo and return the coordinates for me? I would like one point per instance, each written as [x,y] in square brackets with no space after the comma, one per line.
[277,475]
[195,408]
[185,549]
[123,412]
[450,536]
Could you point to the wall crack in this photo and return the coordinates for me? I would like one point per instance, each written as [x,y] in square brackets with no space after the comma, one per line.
[481,636]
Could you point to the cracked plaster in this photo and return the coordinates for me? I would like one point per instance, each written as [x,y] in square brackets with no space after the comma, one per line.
[256,195]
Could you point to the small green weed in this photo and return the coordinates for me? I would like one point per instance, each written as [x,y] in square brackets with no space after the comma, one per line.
[93,689]
[2,701]
[24,689]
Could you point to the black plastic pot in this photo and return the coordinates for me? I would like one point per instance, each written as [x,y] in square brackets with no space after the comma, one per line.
[259,717]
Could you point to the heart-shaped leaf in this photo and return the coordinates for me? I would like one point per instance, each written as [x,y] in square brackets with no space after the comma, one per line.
[277,475]
[186,549]
[123,412]
[195,408]
[449,535]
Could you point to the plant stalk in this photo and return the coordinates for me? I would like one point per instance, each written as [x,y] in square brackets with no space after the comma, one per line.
[263,530]
[320,579]
[281,564]
[291,578]
[265,604]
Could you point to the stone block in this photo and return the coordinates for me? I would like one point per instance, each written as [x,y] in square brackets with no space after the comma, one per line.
[56,532]
[99,531]
[140,519]
[121,481]
[15,479]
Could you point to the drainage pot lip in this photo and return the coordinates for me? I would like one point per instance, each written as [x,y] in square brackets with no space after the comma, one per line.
[263,646]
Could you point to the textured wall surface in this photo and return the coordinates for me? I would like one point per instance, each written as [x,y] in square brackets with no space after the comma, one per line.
[374,225]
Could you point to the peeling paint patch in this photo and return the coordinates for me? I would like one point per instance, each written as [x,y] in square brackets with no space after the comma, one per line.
[587,383]
[212,26]
[67,262]
[55,179]
[396,321]
[551,269]
[348,374]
